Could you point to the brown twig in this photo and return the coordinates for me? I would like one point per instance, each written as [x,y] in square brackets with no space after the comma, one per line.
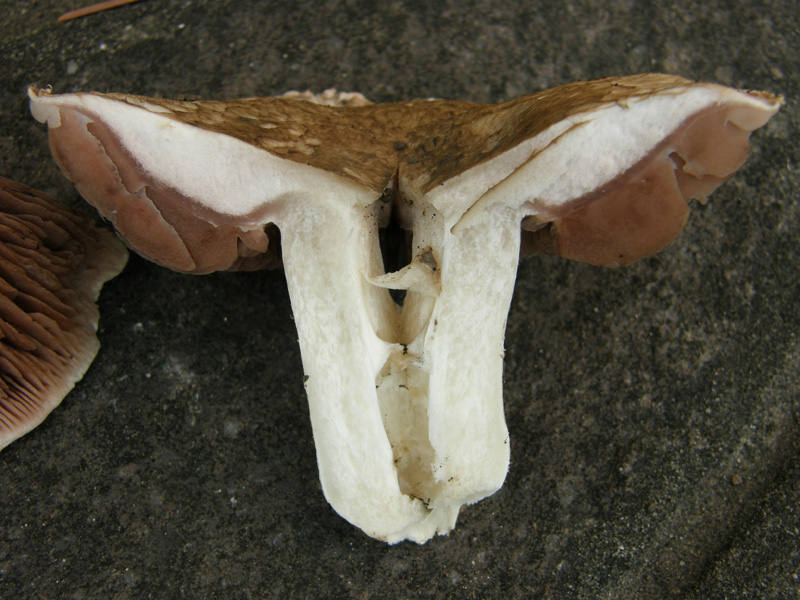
[88,10]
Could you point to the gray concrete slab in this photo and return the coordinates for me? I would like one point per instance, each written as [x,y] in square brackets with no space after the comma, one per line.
[653,410]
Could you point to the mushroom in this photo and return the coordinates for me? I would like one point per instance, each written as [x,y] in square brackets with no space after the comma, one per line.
[53,262]
[405,397]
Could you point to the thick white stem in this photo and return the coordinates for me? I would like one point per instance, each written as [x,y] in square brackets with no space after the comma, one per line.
[406,433]
[463,352]
[328,251]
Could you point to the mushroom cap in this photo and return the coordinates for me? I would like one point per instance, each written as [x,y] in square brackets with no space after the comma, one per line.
[605,168]
[53,262]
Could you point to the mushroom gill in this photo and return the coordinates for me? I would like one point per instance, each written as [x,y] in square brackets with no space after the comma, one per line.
[644,208]
[53,262]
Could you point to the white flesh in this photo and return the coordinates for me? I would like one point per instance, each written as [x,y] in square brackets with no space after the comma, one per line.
[406,433]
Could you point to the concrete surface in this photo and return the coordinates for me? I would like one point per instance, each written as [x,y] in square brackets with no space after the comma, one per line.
[653,410]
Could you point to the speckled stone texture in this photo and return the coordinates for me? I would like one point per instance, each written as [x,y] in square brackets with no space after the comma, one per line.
[653,410]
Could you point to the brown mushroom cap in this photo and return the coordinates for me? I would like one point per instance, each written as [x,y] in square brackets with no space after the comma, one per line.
[420,147]
[53,262]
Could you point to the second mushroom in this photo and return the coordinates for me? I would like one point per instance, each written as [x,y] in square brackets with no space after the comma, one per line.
[405,396]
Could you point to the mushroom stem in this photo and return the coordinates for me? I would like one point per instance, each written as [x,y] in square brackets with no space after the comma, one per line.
[461,349]
[326,252]
[405,433]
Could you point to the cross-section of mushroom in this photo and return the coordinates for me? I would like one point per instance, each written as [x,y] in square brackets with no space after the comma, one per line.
[405,397]
[53,262]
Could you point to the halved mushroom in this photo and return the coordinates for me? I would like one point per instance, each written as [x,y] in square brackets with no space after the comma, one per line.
[53,262]
[406,400]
